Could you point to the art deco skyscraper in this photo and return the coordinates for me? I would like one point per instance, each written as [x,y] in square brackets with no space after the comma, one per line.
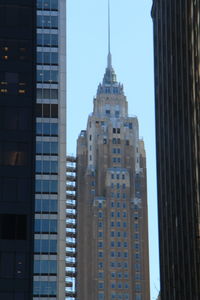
[112,229]
[177,103]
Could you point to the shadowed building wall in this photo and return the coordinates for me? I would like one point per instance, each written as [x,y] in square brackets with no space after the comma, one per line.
[177,104]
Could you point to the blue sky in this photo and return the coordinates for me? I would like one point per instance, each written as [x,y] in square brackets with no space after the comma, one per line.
[132,57]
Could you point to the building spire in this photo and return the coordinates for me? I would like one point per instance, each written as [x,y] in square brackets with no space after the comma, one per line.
[109,53]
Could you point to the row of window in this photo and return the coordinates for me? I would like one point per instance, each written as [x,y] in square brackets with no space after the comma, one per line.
[116,159]
[116,151]
[46,226]
[114,285]
[47,21]
[47,129]
[113,224]
[47,4]
[47,76]
[47,288]
[114,254]
[117,185]
[114,244]
[46,205]
[47,58]
[114,264]
[115,204]
[114,234]
[45,246]
[46,186]
[45,266]
[117,195]
[46,167]
[47,93]
[47,40]
[118,214]
[50,148]
[46,110]
[115,296]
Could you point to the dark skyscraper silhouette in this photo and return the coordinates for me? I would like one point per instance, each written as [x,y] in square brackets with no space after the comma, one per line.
[177,104]
[17,147]
[32,149]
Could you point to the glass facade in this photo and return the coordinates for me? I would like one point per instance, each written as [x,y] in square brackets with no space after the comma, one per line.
[49,152]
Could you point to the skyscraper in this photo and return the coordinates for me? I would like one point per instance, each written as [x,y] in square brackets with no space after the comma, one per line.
[112,229]
[50,197]
[32,149]
[177,103]
[17,147]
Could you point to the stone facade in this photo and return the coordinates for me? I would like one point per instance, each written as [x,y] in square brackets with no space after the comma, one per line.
[112,223]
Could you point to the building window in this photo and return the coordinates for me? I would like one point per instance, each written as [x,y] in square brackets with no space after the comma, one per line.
[46,167]
[100,214]
[46,205]
[113,275]
[100,224]
[47,4]
[125,234]
[100,265]
[124,196]
[47,76]
[118,244]
[45,246]
[100,254]
[100,234]
[47,21]
[100,244]
[124,224]
[112,233]
[45,288]
[112,224]
[118,214]
[45,267]
[112,214]
[47,148]
[112,244]
[137,267]
[46,186]
[101,275]
[101,285]
[45,226]
[100,296]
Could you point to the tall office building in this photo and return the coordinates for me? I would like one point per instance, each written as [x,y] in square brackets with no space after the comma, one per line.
[17,147]
[112,234]
[32,149]
[177,102]
[50,192]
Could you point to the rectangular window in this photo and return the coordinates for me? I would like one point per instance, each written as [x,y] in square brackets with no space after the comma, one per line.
[46,226]
[45,267]
[47,94]
[46,167]
[47,21]
[45,246]
[48,76]
[46,186]
[45,288]
[46,205]
[47,4]
[47,148]
[47,129]
[47,40]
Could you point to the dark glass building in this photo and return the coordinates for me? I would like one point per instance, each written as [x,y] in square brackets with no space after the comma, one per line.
[32,149]
[17,147]
[177,104]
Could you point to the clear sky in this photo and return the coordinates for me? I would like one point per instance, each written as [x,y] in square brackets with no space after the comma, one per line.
[132,59]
